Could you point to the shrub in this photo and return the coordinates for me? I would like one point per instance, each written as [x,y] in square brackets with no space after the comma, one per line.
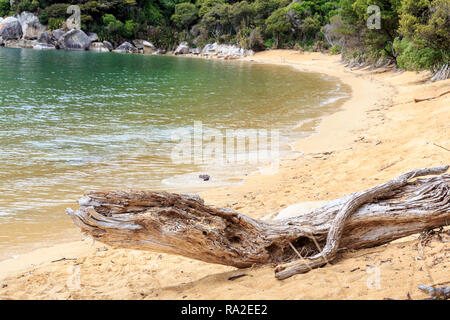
[43,17]
[336,49]
[57,10]
[55,23]
[411,57]
[4,8]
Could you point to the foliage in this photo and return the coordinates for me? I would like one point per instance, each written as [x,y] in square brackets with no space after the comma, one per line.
[336,49]
[55,23]
[4,8]
[414,33]
[185,14]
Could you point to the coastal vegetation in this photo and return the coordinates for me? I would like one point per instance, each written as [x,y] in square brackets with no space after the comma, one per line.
[413,34]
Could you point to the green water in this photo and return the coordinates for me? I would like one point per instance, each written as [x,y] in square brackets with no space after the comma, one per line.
[77,121]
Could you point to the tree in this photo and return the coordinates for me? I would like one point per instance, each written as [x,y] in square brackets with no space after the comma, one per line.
[185,14]
[4,8]
[278,25]
[241,12]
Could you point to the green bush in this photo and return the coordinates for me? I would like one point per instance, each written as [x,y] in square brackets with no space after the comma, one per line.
[269,43]
[57,10]
[336,49]
[43,17]
[55,23]
[411,57]
[129,29]
[4,8]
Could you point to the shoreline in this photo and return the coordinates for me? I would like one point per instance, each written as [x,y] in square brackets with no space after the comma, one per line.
[337,97]
[375,135]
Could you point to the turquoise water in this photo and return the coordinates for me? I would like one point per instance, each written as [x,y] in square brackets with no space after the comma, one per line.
[77,121]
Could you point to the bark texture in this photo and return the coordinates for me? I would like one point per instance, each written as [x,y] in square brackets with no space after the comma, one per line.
[182,224]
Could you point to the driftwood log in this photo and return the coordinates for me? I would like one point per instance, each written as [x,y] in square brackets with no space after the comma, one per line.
[184,225]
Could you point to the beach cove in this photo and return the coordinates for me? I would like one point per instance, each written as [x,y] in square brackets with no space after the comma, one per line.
[379,133]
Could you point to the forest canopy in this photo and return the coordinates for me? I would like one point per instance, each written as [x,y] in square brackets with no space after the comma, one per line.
[413,34]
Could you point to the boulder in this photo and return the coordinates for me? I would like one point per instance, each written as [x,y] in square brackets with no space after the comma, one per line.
[126,47]
[98,47]
[92,36]
[74,40]
[31,27]
[58,33]
[25,43]
[195,51]
[44,46]
[108,45]
[45,37]
[21,43]
[10,28]
[183,48]
[147,47]
[226,51]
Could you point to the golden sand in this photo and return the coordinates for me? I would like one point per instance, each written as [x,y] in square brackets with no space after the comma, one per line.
[379,133]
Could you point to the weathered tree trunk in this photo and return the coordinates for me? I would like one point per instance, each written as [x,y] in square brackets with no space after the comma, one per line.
[184,225]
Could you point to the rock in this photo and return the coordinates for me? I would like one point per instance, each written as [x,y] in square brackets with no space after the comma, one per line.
[160,51]
[194,51]
[11,43]
[44,37]
[58,33]
[147,47]
[204,177]
[21,43]
[31,27]
[108,45]
[44,46]
[225,51]
[92,36]
[126,47]
[183,48]
[10,28]
[98,47]
[74,40]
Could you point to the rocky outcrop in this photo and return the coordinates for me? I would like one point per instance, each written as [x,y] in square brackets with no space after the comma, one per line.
[58,33]
[225,51]
[98,47]
[183,48]
[44,46]
[31,27]
[21,43]
[10,28]
[126,47]
[108,45]
[195,51]
[45,37]
[74,40]
[145,46]
[92,36]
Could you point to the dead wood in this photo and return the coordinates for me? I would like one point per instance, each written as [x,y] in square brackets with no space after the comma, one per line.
[432,98]
[184,225]
[442,293]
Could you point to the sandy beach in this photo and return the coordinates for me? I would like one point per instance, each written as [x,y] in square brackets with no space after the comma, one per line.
[379,133]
